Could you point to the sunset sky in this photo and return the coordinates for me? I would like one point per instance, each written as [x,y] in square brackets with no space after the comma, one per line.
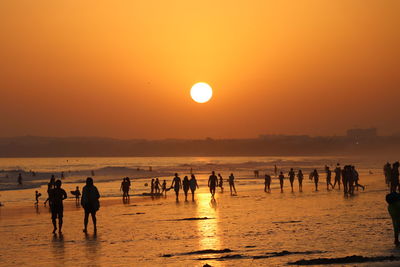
[124,69]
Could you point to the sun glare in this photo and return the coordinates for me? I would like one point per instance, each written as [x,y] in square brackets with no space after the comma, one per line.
[201,92]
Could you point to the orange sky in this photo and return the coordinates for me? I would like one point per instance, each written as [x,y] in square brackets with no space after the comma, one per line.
[124,68]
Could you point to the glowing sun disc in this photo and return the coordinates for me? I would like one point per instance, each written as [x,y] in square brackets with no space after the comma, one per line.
[201,92]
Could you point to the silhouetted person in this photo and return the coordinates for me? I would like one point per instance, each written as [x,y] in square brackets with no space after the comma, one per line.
[37,195]
[157,186]
[394,177]
[20,179]
[328,177]
[267,183]
[164,188]
[231,181]
[49,188]
[315,176]
[90,203]
[77,195]
[212,183]
[387,170]
[356,178]
[57,195]
[193,185]
[344,180]
[300,178]
[176,184]
[125,189]
[393,200]
[281,178]
[291,175]
[186,186]
[221,183]
[275,170]
[338,174]
[152,187]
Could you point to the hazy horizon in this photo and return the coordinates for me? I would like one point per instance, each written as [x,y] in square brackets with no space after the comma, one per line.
[124,70]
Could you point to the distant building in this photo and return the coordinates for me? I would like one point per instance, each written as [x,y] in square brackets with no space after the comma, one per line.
[358,134]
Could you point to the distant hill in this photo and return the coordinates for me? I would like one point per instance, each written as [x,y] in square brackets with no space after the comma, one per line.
[279,145]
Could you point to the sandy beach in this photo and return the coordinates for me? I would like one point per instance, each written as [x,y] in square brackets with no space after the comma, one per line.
[253,228]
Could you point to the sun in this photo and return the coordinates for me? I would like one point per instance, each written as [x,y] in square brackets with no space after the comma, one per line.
[201,92]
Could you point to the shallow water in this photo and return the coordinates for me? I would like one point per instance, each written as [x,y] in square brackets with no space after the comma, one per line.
[253,225]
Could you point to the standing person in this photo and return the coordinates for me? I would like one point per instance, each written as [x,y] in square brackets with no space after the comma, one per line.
[176,184]
[328,177]
[231,181]
[193,185]
[124,189]
[157,187]
[20,179]
[300,178]
[37,195]
[281,178]
[90,203]
[344,180]
[291,175]
[212,183]
[164,188]
[221,183]
[77,194]
[394,177]
[338,173]
[387,170]
[267,183]
[152,187]
[186,186]
[275,170]
[57,195]
[315,176]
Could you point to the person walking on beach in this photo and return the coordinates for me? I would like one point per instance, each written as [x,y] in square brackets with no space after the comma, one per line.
[231,181]
[291,175]
[300,178]
[221,183]
[90,203]
[275,171]
[281,178]
[338,173]
[193,185]
[57,195]
[315,176]
[19,179]
[328,177]
[125,189]
[267,183]
[37,195]
[176,184]
[186,186]
[356,179]
[394,177]
[393,200]
[212,183]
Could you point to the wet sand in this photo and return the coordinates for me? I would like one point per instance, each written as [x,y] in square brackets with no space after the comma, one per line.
[251,229]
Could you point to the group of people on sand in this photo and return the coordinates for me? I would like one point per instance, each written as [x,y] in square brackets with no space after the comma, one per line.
[391,172]
[56,196]
[348,176]
[184,184]
[125,188]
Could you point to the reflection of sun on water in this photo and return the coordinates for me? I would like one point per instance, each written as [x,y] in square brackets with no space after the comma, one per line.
[208,229]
